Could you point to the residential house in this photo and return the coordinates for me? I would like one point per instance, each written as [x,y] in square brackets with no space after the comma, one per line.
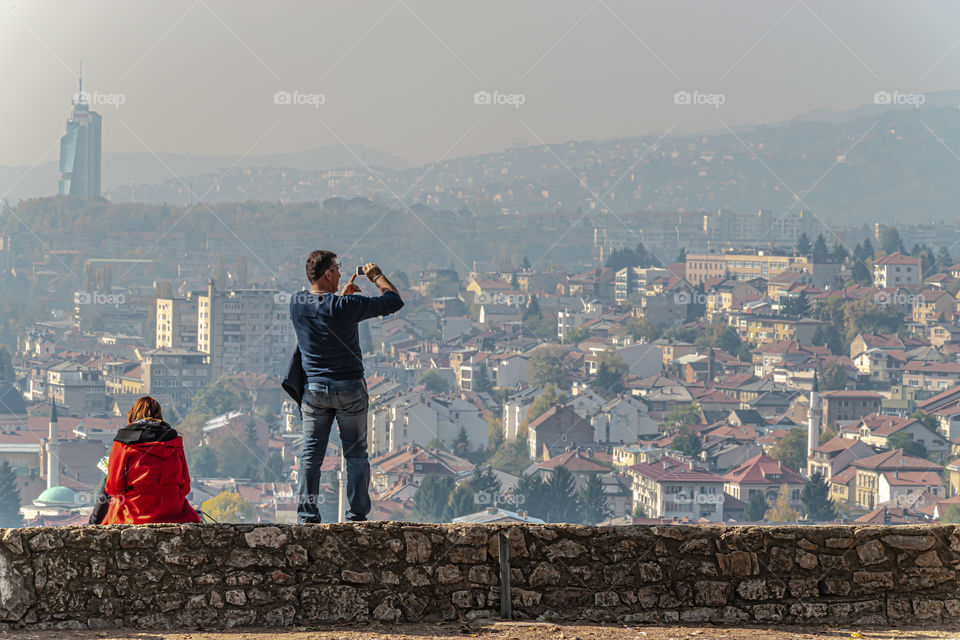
[670,487]
[556,429]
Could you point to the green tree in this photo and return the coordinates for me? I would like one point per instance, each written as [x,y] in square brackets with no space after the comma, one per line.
[833,378]
[9,497]
[462,502]
[890,240]
[829,337]
[951,515]
[907,444]
[511,457]
[204,463]
[594,506]
[432,496]
[639,511]
[795,305]
[782,510]
[803,244]
[532,310]
[820,246]
[433,381]
[929,420]
[756,507]
[562,493]
[481,380]
[218,398]
[840,252]
[577,335]
[544,401]
[610,374]
[546,366]
[495,435]
[791,449]
[817,505]
[532,496]
[461,445]
[486,484]
[276,469]
[687,443]
[228,507]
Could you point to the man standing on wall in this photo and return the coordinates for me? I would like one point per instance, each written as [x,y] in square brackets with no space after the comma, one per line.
[334,387]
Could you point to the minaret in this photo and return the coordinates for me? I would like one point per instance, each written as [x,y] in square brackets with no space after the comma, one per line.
[53,450]
[813,419]
[211,329]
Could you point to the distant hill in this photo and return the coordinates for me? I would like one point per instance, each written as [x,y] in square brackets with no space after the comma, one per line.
[875,163]
[124,169]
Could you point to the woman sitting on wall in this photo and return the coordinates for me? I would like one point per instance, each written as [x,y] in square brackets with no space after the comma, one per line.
[147,477]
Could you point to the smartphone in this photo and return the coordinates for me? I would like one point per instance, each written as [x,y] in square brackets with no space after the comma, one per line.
[359,271]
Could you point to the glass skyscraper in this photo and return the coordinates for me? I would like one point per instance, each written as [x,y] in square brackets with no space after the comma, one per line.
[80,151]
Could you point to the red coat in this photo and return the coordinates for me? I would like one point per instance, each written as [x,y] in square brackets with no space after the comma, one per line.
[148,482]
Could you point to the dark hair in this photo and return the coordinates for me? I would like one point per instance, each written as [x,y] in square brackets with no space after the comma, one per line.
[318,262]
[145,407]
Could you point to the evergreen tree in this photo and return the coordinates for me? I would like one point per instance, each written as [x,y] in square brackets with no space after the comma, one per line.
[562,492]
[461,445]
[682,255]
[820,246]
[486,484]
[531,496]
[796,305]
[594,507]
[462,502]
[481,380]
[533,309]
[803,244]
[431,499]
[756,507]
[9,497]
[526,262]
[275,469]
[840,252]
[817,505]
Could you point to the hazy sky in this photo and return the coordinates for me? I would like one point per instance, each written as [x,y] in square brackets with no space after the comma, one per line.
[200,76]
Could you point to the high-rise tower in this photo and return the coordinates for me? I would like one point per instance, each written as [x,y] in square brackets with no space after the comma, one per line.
[80,150]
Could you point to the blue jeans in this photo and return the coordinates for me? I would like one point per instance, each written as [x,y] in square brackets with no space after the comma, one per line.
[348,402]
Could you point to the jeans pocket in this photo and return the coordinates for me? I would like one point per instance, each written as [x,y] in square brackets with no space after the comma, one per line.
[352,401]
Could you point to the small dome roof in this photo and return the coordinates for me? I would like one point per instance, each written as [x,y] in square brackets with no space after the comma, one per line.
[58,496]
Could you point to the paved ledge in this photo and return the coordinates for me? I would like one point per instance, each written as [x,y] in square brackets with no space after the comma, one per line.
[223,576]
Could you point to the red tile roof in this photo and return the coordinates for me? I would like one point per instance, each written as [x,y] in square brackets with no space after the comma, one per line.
[762,469]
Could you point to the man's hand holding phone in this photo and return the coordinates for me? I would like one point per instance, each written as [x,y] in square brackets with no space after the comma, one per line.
[375,275]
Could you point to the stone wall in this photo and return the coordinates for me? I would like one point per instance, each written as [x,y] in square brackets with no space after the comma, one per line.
[230,575]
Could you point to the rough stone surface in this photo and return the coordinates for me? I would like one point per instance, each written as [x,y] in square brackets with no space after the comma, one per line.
[222,576]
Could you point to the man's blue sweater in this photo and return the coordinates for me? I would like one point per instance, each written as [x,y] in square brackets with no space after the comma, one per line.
[326,326]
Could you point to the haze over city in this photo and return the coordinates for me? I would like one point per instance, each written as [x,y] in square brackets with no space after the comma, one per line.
[685,264]
[199,77]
